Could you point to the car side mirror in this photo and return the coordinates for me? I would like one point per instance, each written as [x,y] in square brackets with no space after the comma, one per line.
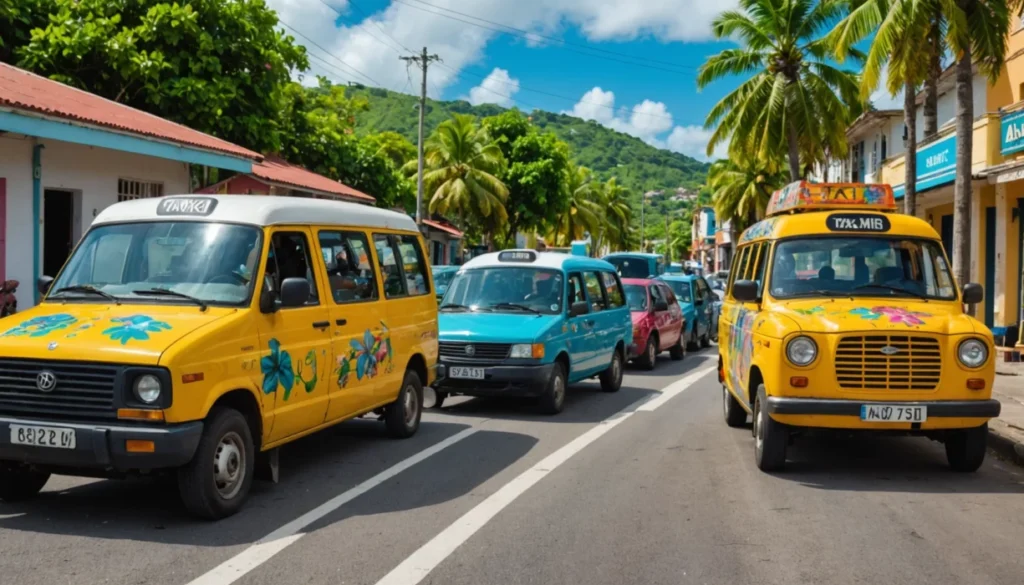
[973,293]
[44,283]
[579,308]
[294,292]
[744,291]
[660,306]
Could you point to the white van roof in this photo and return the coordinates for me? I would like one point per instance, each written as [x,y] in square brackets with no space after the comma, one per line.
[261,210]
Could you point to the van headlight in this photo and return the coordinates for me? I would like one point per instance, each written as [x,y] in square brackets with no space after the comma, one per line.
[147,388]
[801,351]
[527,351]
[972,353]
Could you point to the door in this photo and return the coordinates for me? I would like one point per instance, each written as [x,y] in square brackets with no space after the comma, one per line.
[600,337]
[297,340]
[58,229]
[660,317]
[356,313]
[707,307]
[731,336]
[946,232]
[670,331]
[617,321]
[578,342]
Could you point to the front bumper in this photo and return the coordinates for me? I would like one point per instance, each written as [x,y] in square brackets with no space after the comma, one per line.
[102,446]
[503,380]
[936,408]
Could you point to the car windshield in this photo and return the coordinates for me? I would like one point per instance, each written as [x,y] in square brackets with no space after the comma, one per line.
[636,297]
[443,277]
[682,290]
[861,266]
[507,289]
[212,262]
[631,267]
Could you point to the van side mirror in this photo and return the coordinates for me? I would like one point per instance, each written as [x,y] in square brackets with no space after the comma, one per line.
[660,306]
[294,292]
[43,284]
[744,291]
[579,308]
[973,293]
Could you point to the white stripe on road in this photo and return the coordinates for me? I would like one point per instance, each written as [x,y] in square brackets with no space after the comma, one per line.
[413,569]
[273,543]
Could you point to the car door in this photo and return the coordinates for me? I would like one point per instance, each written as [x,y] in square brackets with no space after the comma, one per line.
[296,340]
[704,306]
[618,321]
[660,317]
[600,340]
[672,329]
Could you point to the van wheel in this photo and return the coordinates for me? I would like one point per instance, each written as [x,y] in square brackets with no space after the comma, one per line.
[965,448]
[677,351]
[215,484]
[692,344]
[553,399]
[402,417]
[650,356]
[735,416]
[770,437]
[611,378]
[18,483]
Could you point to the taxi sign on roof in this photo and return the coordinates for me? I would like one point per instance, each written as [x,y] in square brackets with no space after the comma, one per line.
[807,196]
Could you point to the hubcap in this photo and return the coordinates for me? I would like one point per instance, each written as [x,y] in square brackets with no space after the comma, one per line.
[759,422]
[229,465]
[559,389]
[651,353]
[616,368]
[411,404]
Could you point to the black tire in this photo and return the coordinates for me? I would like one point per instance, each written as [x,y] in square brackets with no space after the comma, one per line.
[691,343]
[735,416]
[965,448]
[677,351]
[649,358]
[19,483]
[770,437]
[611,378]
[402,417]
[439,398]
[553,399]
[226,445]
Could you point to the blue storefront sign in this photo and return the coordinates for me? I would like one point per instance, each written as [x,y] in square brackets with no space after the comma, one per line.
[1011,132]
[936,165]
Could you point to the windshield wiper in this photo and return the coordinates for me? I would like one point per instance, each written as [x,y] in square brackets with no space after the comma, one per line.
[515,306]
[453,306]
[892,288]
[171,293]
[88,288]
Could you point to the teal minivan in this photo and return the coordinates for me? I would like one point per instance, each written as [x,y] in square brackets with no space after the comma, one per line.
[526,323]
[637,264]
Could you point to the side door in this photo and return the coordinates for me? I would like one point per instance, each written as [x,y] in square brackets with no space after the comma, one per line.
[673,321]
[731,310]
[660,317]
[707,303]
[295,342]
[355,308]
[600,342]
[577,341]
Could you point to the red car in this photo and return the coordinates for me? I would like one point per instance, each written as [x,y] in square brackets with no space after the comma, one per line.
[658,322]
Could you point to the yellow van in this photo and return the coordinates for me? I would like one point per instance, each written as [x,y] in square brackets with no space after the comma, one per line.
[843,315]
[197,334]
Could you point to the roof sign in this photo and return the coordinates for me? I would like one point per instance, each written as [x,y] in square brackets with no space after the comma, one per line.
[196,206]
[517,256]
[807,196]
[857,222]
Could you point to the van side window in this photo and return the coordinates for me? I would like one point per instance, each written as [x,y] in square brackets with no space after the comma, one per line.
[394,283]
[613,288]
[291,259]
[349,266]
[757,275]
[739,262]
[657,295]
[595,292]
[576,294]
[670,296]
[413,266]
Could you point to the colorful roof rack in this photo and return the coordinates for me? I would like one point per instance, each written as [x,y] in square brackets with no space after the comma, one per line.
[807,196]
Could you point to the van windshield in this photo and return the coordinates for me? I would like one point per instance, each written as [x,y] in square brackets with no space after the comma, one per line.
[506,290]
[861,266]
[635,267]
[212,262]
[682,290]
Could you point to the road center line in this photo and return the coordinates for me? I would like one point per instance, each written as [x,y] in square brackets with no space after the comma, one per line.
[234,568]
[420,563]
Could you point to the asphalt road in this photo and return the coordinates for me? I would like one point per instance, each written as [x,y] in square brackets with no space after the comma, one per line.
[644,486]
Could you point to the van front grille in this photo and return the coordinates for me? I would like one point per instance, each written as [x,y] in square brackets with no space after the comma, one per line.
[888,362]
[82,391]
[484,352]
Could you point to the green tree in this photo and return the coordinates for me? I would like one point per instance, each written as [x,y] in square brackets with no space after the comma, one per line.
[581,213]
[613,228]
[795,101]
[219,67]
[742,186]
[392,146]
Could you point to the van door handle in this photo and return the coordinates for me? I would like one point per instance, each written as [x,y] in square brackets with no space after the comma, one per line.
[321,324]
[340,322]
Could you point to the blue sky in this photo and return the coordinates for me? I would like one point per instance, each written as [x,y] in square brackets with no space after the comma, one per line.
[360,40]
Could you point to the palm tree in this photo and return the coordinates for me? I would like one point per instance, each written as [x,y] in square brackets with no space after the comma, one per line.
[795,100]
[460,174]
[741,187]
[582,214]
[615,213]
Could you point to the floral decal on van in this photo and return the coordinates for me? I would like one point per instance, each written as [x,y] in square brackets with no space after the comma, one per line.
[277,369]
[896,315]
[41,326]
[137,327]
[370,354]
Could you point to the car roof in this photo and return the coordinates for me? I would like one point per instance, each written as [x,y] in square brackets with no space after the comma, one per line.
[813,223]
[555,260]
[261,210]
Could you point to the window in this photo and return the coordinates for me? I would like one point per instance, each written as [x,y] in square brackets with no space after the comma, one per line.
[414,266]
[349,266]
[394,283]
[636,297]
[290,258]
[576,294]
[657,295]
[703,290]
[666,292]
[682,290]
[738,271]
[613,290]
[129,189]
[758,272]
[594,291]
[507,289]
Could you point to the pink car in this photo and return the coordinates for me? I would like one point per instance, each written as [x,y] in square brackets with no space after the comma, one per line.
[658,322]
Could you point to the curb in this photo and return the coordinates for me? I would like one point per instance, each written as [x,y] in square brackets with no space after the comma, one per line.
[1005,445]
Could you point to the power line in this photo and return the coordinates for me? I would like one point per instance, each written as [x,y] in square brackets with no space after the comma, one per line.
[328,53]
[330,68]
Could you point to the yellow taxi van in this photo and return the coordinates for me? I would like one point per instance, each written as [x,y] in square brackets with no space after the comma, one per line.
[197,334]
[841,314]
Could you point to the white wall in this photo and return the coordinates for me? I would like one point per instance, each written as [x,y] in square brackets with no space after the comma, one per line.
[91,172]
[947,105]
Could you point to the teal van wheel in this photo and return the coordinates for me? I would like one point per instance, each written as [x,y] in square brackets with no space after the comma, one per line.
[553,399]
[611,379]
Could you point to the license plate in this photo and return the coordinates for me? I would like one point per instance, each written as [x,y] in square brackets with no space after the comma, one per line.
[56,437]
[467,373]
[893,413]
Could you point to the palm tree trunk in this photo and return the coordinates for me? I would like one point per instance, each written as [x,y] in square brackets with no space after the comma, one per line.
[910,164]
[794,154]
[962,186]
[931,84]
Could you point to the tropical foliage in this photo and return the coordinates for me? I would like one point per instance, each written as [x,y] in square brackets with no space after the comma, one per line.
[742,186]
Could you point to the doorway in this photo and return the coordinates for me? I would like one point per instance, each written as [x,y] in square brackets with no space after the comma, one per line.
[58,229]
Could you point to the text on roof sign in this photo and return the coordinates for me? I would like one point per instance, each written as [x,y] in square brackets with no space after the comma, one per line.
[195,206]
[517,256]
[857,222]
[807,196]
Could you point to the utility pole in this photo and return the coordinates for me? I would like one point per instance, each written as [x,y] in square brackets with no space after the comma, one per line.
[422,61]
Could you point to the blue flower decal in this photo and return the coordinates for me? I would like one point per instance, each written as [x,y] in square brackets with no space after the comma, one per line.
[137,327]
[40,326]
[865,313]
[277,370]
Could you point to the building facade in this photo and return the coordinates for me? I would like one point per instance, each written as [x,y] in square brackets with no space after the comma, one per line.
[702,245]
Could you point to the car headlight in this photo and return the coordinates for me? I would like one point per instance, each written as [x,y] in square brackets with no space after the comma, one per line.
[147,388]
[973,353]
[527,351]
[801,351]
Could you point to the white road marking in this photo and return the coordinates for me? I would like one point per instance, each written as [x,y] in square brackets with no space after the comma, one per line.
[418,565]
[273,543]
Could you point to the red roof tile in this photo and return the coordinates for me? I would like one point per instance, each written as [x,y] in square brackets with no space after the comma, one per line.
[443,227]
[20,89]
[279,170]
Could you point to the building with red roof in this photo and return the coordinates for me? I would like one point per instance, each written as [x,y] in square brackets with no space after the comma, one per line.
[276,176]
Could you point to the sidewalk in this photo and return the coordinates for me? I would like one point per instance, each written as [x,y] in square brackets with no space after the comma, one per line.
[1006,433]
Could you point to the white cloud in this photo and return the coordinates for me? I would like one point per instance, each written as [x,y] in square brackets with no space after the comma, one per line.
[497,88]
[693,141]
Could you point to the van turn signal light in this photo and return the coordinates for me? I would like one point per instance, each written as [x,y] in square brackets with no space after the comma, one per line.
[140,414]
[975,384]
[136,446]
[798,381]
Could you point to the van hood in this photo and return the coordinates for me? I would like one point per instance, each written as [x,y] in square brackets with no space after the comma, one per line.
[494,327]
[126,333]
[888,315]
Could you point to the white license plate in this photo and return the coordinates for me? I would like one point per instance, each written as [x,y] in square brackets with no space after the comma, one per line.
[893,413]
[57,437]
[467,373]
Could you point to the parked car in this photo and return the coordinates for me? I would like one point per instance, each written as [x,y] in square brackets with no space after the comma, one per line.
[698,305]
[442,278]
[657,321]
